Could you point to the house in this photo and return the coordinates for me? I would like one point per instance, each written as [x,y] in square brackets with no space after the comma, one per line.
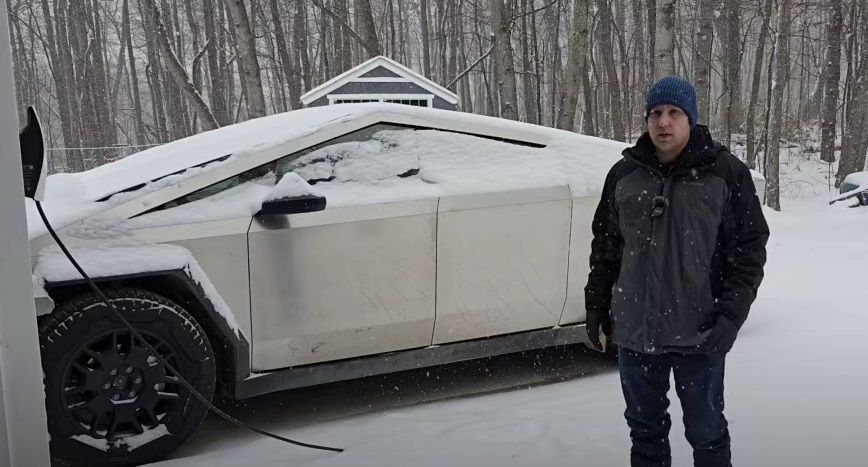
[381,79]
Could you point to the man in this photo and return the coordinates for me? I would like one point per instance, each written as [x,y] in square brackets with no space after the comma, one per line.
[676,260]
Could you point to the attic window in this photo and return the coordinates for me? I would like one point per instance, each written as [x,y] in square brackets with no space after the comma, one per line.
[416,100]
[354,101]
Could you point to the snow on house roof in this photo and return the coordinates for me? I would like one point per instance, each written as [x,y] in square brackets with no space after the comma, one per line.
[379,61]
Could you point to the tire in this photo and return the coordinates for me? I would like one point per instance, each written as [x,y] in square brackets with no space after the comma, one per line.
[109,402]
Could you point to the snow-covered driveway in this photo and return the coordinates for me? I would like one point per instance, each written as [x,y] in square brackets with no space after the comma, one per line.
[797,386]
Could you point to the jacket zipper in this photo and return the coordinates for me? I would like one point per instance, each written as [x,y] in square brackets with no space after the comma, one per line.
[665,192]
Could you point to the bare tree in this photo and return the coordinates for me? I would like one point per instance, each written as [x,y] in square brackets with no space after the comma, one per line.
[854,143]
[503,60]
[641,61]
[702,58]
[578,49]
[750,125]
[179,74]
[832,81]
[731,60]
[134,78]
[782,76]
[651,8]
[608,55]
[367,28]
[426,37]
[664,59]
[289,71]
[248,61]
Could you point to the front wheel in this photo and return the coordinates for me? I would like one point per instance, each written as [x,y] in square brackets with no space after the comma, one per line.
[108,400]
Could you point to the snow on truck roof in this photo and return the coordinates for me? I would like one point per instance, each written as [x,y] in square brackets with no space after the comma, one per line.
[70,197]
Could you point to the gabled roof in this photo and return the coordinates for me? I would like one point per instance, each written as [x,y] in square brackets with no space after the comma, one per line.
[379,61]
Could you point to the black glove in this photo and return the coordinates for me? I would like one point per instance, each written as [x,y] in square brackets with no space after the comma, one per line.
[598,319]
[721,337]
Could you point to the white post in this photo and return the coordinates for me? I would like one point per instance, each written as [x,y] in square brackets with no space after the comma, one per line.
[23,434]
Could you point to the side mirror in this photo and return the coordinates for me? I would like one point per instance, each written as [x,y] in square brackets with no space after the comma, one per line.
[294,205]
[292,195]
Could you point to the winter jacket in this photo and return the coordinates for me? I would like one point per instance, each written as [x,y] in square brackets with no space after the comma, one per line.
[675,246]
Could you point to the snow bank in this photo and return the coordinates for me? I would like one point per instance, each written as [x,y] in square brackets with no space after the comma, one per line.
[52,266]
[132,442]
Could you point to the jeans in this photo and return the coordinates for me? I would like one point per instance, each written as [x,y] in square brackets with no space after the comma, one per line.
[699,384]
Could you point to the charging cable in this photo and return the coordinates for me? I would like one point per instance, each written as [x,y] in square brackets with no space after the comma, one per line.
[159,357]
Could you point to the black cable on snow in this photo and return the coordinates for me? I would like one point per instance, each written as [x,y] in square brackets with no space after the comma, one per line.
[163,361]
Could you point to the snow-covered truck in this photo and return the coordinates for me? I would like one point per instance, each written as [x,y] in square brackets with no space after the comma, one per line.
[313,246]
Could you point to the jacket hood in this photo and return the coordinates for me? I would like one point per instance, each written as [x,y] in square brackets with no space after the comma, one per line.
[701,151]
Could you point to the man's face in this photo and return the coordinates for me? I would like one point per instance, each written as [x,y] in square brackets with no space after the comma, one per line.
[669,128]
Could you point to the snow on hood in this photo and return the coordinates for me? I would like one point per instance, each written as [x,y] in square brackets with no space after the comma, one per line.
[568,158]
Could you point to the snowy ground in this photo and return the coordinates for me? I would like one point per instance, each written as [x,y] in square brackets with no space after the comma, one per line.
[797,381]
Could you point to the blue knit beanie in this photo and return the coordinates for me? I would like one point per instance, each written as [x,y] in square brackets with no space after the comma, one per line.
[673,90]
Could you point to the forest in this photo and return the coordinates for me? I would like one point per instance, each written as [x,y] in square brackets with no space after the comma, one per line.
[112,77]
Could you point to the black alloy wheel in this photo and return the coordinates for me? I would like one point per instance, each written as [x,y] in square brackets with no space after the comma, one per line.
[109,401]
[114,388]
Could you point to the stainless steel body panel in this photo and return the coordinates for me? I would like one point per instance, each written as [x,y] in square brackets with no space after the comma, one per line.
[310,375]
[580,252]
[501,267]
[220,249]
[342,283]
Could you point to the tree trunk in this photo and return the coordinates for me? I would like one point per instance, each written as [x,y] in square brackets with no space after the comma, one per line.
[538,71]
[750,125]
[588,119]
[367,29]
[527,77]
[134,78]
[171,91]
[152,75]
[343,58]
[291,74]
[105,119]
[58,75]
[426,38]
[702,58]
[402,33]
[624,90]
[641,61]
[651,7]
[247,60]
[578,49]
[552,19]
[782,75]
[504,73]
[614,85]
[830,86]
[732,115]
[665,39]
[217,94]
[299,32]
